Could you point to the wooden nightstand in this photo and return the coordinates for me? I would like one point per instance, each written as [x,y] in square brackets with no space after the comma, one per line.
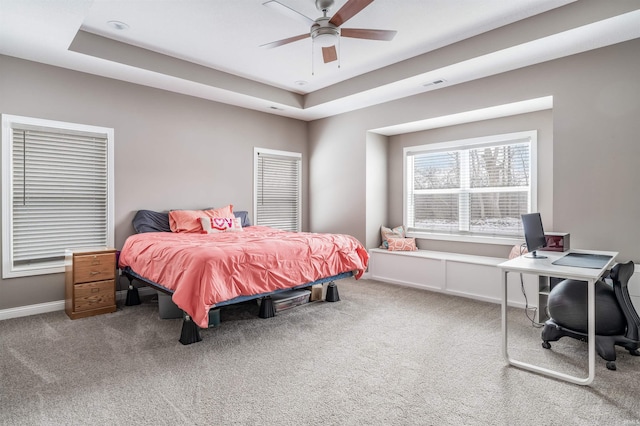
[90,282]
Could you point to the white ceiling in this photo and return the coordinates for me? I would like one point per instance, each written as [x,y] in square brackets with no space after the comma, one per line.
[211,48]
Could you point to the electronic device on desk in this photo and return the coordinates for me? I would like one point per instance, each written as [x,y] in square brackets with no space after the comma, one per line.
[557,241]
[537,240]
[534,234]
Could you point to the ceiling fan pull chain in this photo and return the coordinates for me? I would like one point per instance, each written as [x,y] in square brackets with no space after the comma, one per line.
[339,54]
[313,61]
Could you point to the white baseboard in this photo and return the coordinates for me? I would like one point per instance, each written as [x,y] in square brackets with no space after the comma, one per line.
[23,311]
[58,305]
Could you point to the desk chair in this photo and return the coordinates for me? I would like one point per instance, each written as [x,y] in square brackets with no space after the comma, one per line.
[617,322]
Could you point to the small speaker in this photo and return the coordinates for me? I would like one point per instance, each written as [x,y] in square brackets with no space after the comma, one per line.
[556,241]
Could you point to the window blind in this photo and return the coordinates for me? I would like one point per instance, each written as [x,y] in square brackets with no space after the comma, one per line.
[278,190]
[477,189]
[59,193]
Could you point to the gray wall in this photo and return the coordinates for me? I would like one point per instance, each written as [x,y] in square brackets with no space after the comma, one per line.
[174,151]
[595,152]
[377,181]
[171,150]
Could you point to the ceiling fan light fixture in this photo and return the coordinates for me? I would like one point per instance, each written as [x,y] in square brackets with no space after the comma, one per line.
[326,31]
[325,36]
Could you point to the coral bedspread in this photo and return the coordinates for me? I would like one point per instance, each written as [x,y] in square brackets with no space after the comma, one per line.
[205,269]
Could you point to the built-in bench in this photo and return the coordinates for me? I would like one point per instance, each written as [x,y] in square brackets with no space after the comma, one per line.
[476,277]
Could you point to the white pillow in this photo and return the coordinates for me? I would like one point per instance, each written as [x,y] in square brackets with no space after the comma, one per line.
[212,225]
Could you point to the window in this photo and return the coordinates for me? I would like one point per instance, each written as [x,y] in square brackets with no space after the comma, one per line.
[277,190]
[470,190]
[57,192]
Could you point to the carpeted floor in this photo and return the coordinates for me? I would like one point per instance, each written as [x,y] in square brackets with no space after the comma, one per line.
[383,355]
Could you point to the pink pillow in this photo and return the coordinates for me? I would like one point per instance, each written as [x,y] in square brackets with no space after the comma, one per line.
[517,251]
[386,233]
[189,220]
[402,244]
[212,225]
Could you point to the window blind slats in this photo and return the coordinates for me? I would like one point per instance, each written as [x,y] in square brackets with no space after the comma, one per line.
[60,193]
[278,191]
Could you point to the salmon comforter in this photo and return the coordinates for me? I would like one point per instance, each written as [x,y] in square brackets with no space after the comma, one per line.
[205,269]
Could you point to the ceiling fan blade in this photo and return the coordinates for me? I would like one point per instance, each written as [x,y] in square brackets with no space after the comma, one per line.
[386,35]
[287,11]
[329,54]
[348,11]
[284,41]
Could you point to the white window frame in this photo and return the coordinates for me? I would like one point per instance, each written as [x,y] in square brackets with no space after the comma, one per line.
[530,136]
[294,156]
[9,270]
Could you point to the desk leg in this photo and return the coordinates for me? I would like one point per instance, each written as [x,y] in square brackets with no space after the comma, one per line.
[591,328]
[505,351]
[591,334]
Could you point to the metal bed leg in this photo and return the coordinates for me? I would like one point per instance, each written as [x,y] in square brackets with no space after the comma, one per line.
[267,309]
[190,331]
[133,297]
[332,293]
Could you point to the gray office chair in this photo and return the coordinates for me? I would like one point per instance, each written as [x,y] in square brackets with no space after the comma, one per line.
[617,322]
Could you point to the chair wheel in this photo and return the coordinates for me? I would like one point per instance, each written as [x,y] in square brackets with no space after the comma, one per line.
[546,345]
[635,352]
[611,365]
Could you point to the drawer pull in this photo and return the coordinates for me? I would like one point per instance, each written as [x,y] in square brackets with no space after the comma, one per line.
[94,273]
[95,290]
[95,262]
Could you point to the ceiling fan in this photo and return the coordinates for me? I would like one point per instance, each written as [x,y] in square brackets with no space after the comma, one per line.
[327,30]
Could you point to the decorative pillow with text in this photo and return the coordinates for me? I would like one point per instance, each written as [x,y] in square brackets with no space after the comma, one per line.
[212,225]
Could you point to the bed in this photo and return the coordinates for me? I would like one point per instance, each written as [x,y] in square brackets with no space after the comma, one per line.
[204,269]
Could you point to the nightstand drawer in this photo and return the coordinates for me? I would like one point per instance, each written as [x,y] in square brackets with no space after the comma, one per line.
[93,295]
[90,282]
[94,267]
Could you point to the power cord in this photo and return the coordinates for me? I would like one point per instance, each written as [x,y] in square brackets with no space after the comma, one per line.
[527,308]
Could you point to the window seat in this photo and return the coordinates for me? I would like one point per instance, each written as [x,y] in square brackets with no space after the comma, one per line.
[476,277]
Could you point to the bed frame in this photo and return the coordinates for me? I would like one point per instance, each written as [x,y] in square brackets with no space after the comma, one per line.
[191,332]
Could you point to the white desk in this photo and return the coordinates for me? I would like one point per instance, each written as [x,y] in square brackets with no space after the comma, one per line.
[544,267]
